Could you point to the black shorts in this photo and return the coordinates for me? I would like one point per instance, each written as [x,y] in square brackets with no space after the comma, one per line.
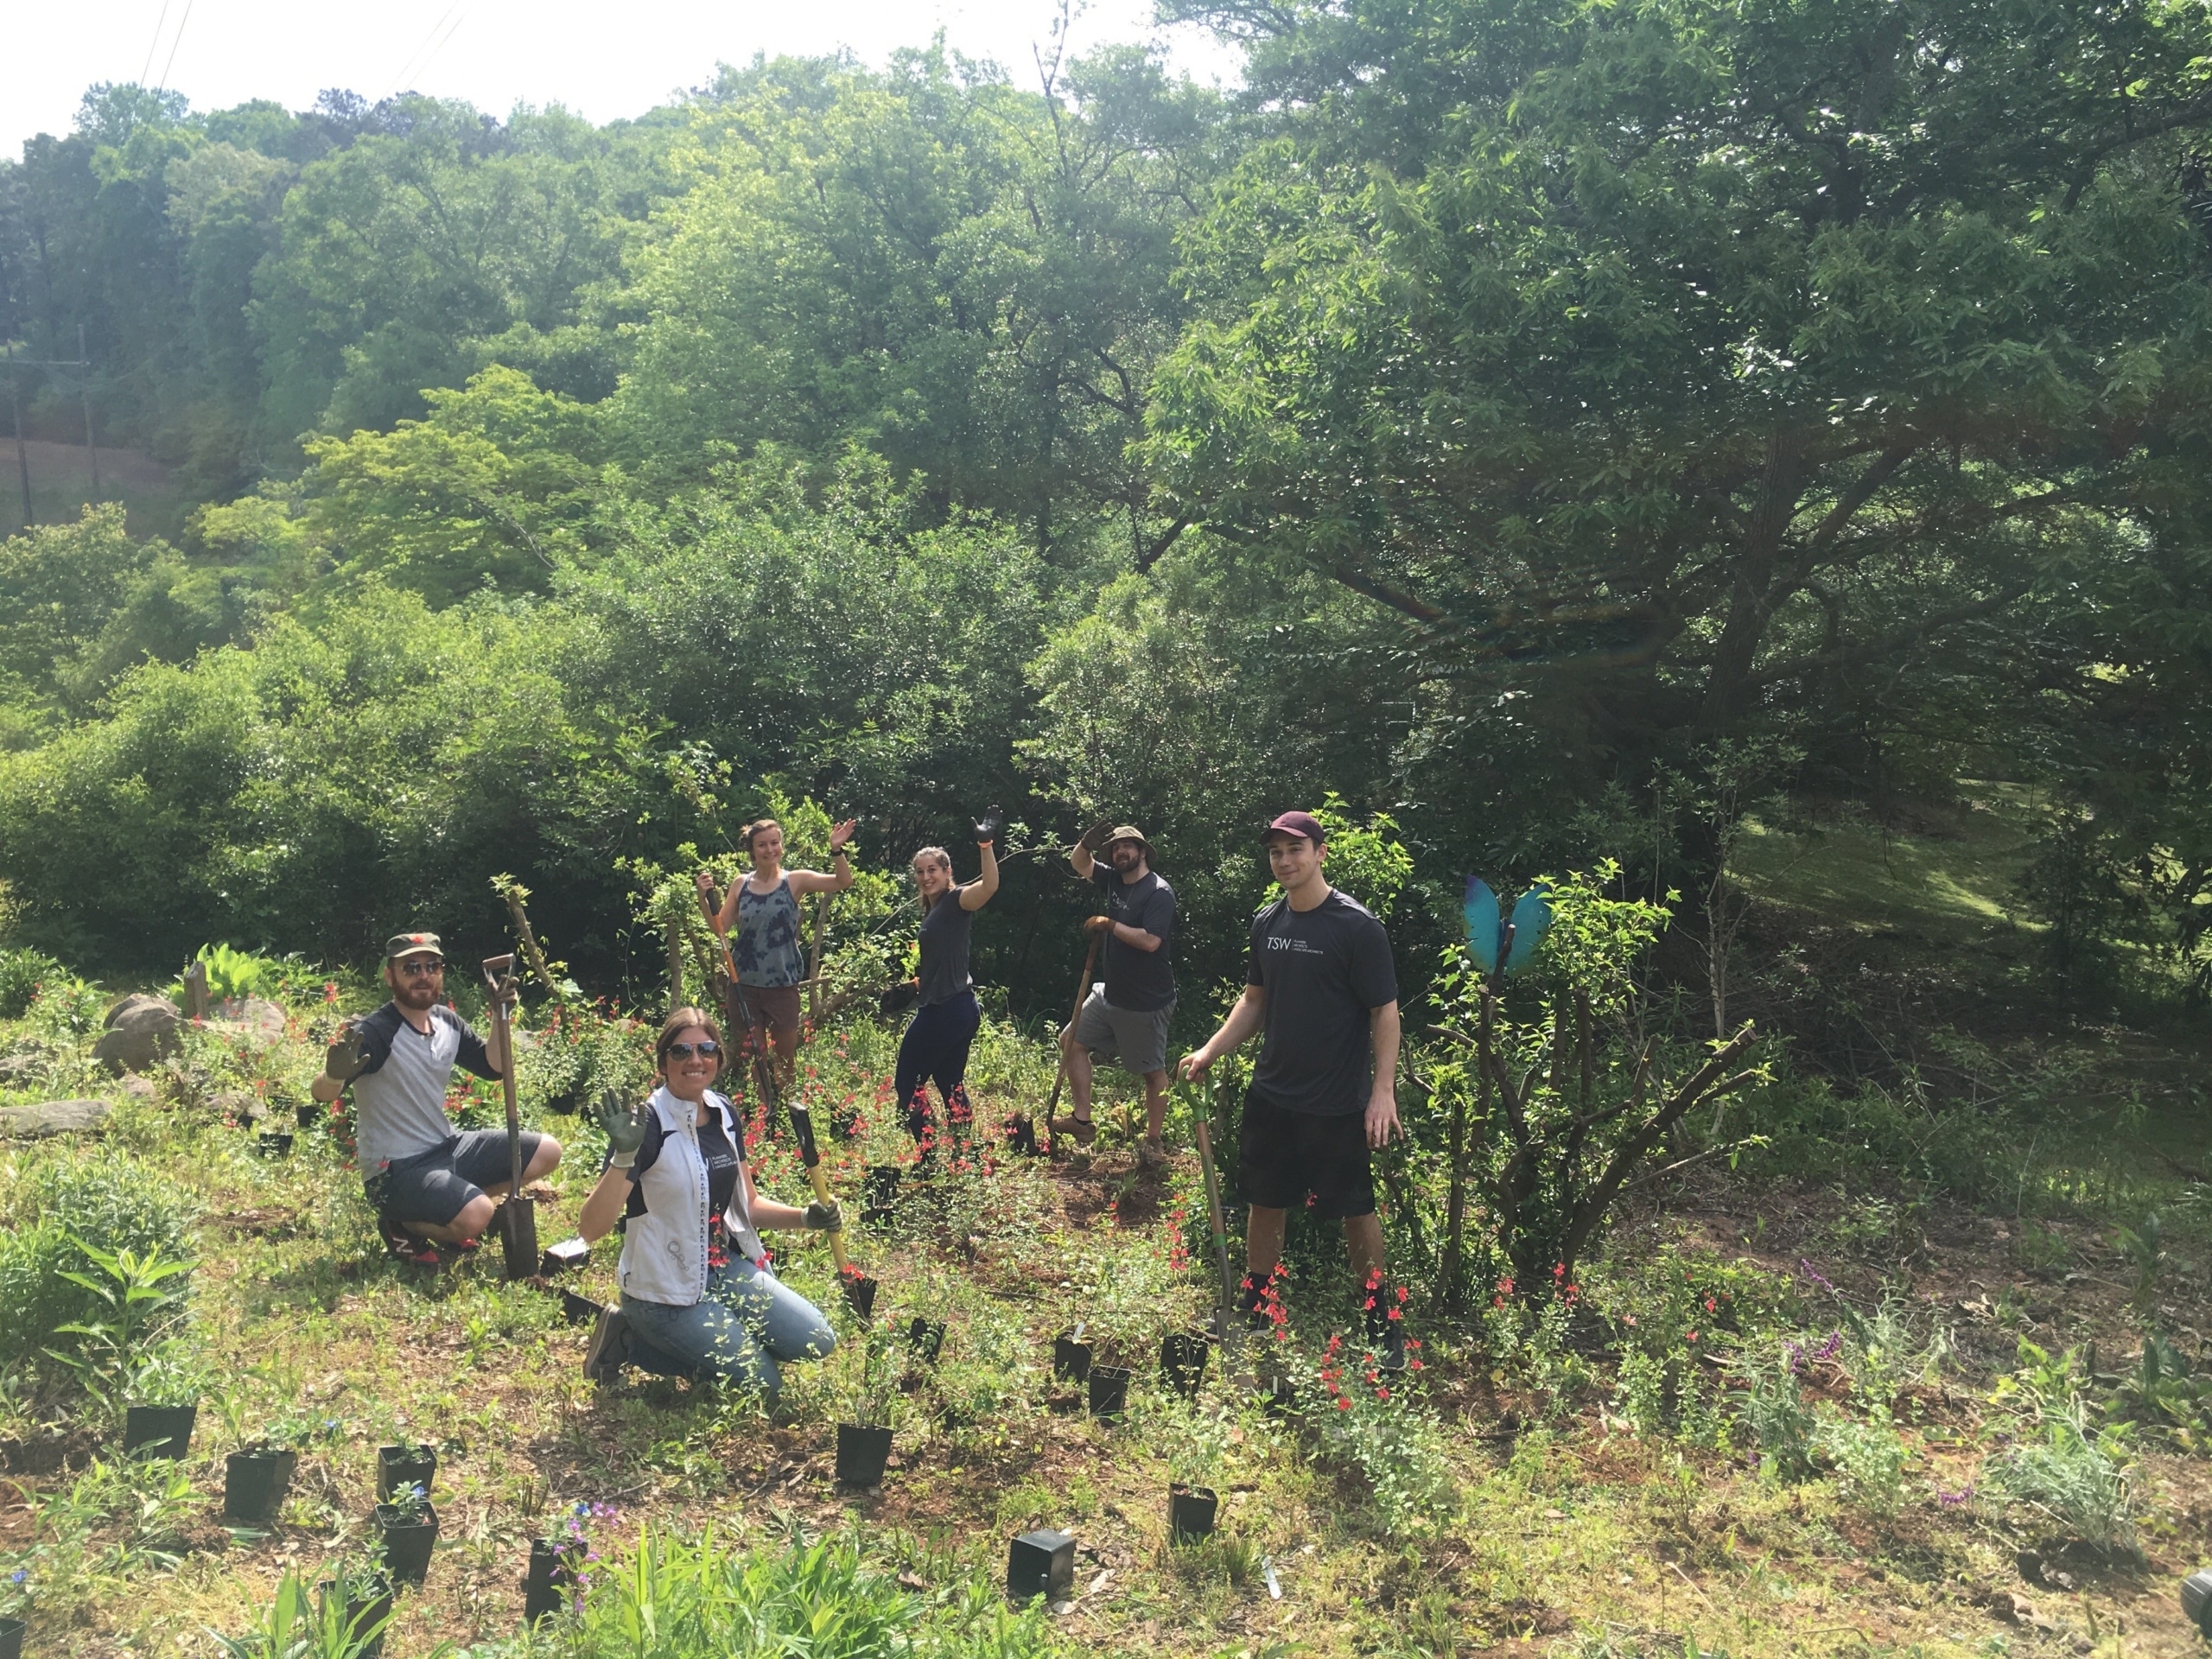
[1282,1156]
[436,1185]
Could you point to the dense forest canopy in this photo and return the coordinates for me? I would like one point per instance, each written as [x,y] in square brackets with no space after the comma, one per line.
[1554,425]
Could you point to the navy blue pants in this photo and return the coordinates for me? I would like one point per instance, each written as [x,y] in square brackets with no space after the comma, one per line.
[935,1050]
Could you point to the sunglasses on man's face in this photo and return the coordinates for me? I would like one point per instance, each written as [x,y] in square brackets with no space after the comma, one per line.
[685,1051]
[421,969]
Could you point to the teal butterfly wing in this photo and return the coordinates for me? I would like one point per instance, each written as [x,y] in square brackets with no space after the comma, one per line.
[1480,908]
[1532,917]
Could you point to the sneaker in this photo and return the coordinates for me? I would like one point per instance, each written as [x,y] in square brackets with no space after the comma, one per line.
[411,1247]
[610,1347]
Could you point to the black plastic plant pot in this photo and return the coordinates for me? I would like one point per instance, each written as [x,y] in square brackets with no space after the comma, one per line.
[926,1338]
[880,1193]
[1182,1361]
[2196,1600]
[1109,1390]
[1040,1563]
[274,1143]
[546,1587]
[860,1291]
[566,1104]
[307,1113]
[407,1539]
[1191,1511]
[578,1309]
[401,1466]
[1071,1356]
[255,1480]
[565,1257]
[367,1606]
[862,1454]
[11,1638]
[158,1431]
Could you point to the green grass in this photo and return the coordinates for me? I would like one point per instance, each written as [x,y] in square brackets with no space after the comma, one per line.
[1957,886]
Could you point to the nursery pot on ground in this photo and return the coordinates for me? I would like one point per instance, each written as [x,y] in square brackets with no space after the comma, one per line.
[407,1539]
[545,1588]
[1182,1361]
[1109,1390]
[578,1310]
[11,1638]
[255,1480]
[1040,1563]
[926,1338]
[399,1466]
[1191,1511]
[274,1143]
[860,1294]
[367,1606]
[1071,1356]
[862,1454]
[158,1431]
[306,1114]
[878,1191]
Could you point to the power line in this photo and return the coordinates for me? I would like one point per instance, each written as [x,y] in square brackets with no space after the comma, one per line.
[176,41]
[420,57]
[154,45]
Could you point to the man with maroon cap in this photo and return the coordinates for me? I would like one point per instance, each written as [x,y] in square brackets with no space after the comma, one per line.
[431,1185]
[1321,985]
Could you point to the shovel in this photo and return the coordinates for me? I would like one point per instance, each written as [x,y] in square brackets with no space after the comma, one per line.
[859,1288]
[518,1214]
[1227,1316]
[1082,990]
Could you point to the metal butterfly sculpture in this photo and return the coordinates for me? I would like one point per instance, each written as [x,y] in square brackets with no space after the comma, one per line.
[1532,915]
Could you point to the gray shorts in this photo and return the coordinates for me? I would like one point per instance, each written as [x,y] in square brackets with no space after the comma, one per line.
[1137,1039]
[436,1185]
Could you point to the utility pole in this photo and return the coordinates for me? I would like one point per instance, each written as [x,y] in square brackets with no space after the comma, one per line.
[85,386]
[22,458]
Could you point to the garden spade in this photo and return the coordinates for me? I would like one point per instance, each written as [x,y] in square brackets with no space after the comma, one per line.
[1228,1314]
[1082,990]
[849,1277]
[518,1214]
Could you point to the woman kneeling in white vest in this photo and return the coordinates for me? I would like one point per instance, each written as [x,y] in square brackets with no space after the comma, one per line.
[697,1297]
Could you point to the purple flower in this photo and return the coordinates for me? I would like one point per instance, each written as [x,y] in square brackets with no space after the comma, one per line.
[1952,1500]
[1792,1356]
[1813,1274]
[1831,1348]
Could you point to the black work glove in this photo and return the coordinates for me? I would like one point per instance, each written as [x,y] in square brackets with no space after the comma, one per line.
[825,1217]
[341,1061]
[896,999]
[1095,837]
[987,826]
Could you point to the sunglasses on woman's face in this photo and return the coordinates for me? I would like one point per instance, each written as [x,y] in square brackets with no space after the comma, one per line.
[685,1051]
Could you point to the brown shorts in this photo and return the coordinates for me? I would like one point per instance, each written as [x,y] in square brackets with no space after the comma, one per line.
[776,1006]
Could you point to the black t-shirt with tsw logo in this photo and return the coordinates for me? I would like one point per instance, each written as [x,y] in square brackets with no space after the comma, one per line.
[1324,970]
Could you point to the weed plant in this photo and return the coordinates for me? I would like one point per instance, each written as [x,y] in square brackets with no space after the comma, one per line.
[62,1212]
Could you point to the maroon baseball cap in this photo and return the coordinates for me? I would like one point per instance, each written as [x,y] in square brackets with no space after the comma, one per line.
[1300,824]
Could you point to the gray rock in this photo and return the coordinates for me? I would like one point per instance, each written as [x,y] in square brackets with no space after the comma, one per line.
[140,1031]
[253,1016]
[53,1117]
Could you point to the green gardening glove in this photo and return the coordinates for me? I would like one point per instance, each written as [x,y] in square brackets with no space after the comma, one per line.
[625,1123]
[825,1217]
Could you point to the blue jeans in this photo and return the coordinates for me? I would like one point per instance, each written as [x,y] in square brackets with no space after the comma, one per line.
[736,1333]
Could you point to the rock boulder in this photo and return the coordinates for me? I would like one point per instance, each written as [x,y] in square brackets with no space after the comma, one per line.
[140,1031]
[53,1117]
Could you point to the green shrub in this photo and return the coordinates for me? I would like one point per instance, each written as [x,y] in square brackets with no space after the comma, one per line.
[679,1598]
[108,1200]
[2075,1478]
[21,972]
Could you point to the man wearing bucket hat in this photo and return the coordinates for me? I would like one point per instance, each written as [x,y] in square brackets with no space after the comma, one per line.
[430,1183]
[1127,1014]
[1321,985]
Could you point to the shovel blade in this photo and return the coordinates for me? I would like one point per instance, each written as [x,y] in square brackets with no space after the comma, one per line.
[518,1236]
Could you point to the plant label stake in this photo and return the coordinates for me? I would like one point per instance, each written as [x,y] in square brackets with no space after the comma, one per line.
[1082,990]
[518,1237]
[1228,1314]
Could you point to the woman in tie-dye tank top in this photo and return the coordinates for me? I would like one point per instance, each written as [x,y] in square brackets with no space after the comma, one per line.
[760,918]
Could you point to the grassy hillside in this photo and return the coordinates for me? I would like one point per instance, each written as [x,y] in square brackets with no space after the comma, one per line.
[1780,1416]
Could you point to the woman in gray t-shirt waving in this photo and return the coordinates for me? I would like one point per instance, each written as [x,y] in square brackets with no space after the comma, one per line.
[935,1047]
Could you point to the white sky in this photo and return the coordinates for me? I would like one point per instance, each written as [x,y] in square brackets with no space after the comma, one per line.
[607,60]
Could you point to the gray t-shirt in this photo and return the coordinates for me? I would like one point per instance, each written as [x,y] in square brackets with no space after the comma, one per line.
[944,949]
[399,1097]
[1142,981]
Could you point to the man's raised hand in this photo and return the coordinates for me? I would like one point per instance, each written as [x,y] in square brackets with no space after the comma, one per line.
[1095,837]
[341,1061]
[625,1124]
